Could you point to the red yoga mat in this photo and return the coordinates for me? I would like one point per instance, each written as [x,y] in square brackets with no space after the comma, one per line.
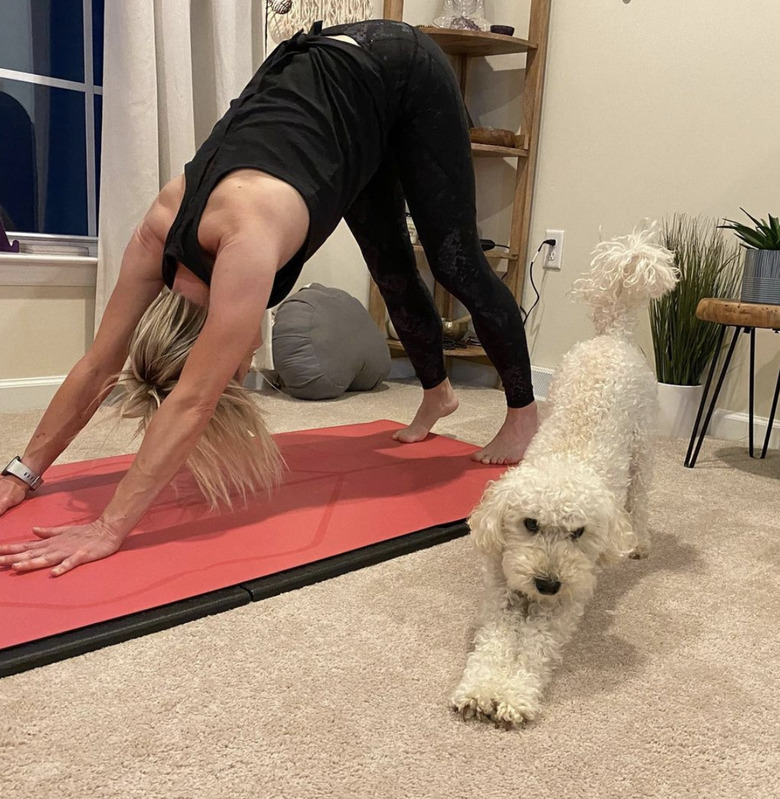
[346,488]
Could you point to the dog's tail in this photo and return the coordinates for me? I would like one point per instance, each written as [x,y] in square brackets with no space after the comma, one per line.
[625,275]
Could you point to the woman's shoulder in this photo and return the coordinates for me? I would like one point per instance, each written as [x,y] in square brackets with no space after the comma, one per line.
[160,216]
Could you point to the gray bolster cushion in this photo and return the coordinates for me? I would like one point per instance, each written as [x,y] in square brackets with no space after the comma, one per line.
[325,343]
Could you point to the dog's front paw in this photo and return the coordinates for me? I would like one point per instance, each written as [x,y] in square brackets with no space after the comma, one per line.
[503,708]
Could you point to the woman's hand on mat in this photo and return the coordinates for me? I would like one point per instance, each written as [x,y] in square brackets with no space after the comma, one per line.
[62,548]
[12,492]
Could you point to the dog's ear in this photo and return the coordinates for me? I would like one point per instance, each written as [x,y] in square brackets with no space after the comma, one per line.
[487,519]
[620,537]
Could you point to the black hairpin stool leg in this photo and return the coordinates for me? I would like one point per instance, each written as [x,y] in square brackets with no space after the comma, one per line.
[771,417]
[703,401]
[752,390]
[693,453]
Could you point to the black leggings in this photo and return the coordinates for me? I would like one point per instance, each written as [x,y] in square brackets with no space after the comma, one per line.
[428,162]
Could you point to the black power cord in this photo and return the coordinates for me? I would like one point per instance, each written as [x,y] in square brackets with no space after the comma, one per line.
[526,314]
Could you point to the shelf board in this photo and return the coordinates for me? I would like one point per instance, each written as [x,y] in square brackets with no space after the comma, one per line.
[476,43]
[470,351]
[491,255]
[493,151]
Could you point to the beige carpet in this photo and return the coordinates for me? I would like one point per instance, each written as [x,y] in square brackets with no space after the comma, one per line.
[670,689]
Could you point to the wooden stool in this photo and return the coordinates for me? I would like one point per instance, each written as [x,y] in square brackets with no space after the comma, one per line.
[743,317]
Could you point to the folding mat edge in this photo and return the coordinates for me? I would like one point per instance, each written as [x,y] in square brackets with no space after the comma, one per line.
[54,648]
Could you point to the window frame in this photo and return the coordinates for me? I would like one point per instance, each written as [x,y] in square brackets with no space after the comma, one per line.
[89,90]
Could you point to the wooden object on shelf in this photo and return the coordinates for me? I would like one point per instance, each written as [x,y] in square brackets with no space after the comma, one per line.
[464,46]
[495,136]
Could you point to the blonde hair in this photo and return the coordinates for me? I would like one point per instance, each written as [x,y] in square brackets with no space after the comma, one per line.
[235,453]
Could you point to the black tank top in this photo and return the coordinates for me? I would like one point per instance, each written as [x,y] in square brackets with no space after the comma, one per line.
[315,115]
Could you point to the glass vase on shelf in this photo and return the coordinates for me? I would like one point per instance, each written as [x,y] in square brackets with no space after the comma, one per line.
[463,15]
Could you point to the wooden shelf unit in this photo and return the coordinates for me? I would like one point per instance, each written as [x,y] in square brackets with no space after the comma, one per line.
[464,46]
[476,43]
[495,151]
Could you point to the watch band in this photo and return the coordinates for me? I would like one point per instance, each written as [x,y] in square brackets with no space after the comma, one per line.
[18,469]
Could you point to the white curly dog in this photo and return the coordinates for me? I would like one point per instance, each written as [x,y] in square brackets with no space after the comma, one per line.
[579,498]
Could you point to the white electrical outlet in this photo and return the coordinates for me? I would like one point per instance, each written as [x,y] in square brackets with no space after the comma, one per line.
[554,257]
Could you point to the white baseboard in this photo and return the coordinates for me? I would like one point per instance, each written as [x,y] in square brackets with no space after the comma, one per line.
[735,427]
[541,379]
[28,393]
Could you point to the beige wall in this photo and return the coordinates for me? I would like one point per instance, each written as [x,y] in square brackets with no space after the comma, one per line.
[651,108]
[43,331]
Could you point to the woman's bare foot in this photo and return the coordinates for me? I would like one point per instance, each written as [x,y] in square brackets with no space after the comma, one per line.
[436,403]
[510,442]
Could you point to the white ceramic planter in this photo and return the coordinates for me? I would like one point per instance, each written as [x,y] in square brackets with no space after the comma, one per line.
[677,408]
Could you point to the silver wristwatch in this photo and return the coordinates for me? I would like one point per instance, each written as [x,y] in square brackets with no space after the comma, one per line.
[18,469]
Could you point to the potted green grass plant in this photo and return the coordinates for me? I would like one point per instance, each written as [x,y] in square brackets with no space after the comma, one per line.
[761,273]
[683,345]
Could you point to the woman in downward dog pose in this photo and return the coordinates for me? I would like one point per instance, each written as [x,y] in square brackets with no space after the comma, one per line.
[343,123]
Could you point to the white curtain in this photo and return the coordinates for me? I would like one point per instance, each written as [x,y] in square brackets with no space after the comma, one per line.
[171,68]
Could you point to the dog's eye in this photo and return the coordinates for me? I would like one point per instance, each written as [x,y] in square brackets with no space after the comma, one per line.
[578,532]
[532,525]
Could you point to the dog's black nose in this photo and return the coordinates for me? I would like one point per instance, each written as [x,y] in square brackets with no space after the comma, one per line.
[547,586]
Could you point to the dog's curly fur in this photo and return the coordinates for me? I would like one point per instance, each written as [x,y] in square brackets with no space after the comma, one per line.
[577,501]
